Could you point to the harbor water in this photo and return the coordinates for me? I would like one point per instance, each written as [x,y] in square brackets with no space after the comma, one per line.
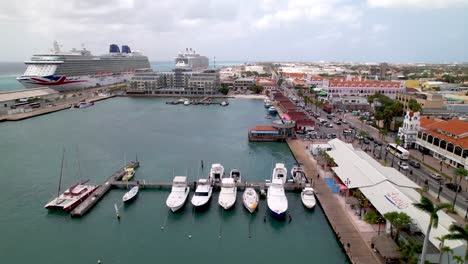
[169,140]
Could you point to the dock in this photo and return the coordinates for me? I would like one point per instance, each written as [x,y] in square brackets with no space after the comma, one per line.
[289,186]
[102,190]
[346,232]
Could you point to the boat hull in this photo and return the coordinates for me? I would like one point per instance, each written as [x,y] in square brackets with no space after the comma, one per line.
[176,206]
[74,204]
[277,214]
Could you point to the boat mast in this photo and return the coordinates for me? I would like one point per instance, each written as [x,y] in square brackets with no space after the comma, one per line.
[61,173]
[79,167]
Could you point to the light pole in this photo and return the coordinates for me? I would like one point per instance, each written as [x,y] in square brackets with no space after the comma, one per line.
[347,182]
[440,189]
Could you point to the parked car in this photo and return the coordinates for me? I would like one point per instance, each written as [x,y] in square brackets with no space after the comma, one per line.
[329,125]
[403,165]
[344,121]
[370,138]
[366,141]
[414,164]
[435,176]
[454,187]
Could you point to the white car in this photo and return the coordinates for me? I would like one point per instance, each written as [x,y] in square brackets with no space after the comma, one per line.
[403,165]
[329,125]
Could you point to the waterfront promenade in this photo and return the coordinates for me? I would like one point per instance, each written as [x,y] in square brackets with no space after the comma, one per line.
[346,232]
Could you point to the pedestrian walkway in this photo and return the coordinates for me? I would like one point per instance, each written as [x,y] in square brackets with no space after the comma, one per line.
[358,250]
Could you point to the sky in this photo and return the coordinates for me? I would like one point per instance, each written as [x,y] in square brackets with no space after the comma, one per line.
[243,30]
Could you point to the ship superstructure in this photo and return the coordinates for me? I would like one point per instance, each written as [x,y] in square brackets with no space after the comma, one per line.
[78,69]
[191,61]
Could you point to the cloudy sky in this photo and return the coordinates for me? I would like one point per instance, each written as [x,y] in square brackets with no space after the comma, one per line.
[243,30]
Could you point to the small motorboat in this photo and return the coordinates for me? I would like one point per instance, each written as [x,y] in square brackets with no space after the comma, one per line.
[83,104]
[250,199]
[236,175]
[216,172]
[280,172]
[179,193]
[130,195]
[202,194]
[224,103]
[276,199]
[272,110]
[267,103]
[298,174]
[129,173]
[186,102]
[227,196]
[308,197]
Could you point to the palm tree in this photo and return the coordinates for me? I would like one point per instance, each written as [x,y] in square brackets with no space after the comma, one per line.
[427,206]
[443,249]
[458,259]
[398,220]
[460,172]
[459,233]
[409,251]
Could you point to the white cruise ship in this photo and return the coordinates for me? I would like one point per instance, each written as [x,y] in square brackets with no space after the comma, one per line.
[79,69]
[191,61]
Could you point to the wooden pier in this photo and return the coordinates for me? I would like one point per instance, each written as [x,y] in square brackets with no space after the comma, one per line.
[346,232]
[87,204]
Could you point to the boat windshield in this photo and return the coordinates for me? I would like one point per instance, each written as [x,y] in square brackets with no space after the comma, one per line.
[201,194]
[309,193]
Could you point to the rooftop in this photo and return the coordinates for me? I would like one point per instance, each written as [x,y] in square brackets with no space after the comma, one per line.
[27,93]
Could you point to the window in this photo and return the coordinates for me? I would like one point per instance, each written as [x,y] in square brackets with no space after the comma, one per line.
[436,141]
[458,151]
[450,147]
[429,138]
[443,144]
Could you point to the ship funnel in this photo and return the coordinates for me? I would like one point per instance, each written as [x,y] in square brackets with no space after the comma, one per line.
[126,49]
[113,48]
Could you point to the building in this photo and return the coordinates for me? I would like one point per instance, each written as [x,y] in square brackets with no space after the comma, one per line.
[350,103]
[426,100]
[177,82]
[409,130]
[388,190]
[444,140]
[244,83]
[365,88]
[14,102]
[442,86]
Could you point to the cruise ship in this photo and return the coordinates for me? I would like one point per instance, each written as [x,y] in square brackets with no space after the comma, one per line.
[79,69]
[191,61]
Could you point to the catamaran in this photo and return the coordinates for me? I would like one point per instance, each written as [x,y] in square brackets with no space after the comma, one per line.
[280,172]
[250,199]
[73,196]
[202,194]
[216,172]
[179,193]
[130,195]
[227,196]
[308,197]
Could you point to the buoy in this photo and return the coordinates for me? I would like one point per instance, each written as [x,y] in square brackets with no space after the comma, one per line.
[189,236]
[162,227]
[98,261]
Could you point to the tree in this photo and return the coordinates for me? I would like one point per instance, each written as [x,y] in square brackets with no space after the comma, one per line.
[460,173]
[410,250]
[257,89]
[372,217]
[458,259]
[306,100]
[398,220]
[224,89]
[444,249]
[414,106]
[280,81]
[300,92]
[428,207]
[459,233]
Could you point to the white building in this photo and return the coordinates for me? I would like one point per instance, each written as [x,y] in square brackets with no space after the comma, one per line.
[408,132]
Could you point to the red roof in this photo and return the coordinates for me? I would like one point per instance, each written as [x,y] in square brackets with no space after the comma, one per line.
[303,123]
[439,128]
[294,74]
[263,128]
[364,84]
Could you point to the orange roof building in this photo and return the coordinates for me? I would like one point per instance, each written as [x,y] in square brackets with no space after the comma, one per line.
[445,140]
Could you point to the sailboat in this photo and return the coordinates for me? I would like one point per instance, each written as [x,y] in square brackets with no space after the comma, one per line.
[130,195]
[179,193]
[71,197]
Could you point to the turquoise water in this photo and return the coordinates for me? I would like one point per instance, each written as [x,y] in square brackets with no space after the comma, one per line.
[166,138]
[10,70]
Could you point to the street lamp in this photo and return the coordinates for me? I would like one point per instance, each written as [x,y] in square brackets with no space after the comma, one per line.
[440,189]
[347,182]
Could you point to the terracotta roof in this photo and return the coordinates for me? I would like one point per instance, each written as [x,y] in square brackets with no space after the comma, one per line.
[365,84]
[411,90]
[263,128]
[294,74]
[457,127]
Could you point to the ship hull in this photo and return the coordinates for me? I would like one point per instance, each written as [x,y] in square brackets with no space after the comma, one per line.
[66,83]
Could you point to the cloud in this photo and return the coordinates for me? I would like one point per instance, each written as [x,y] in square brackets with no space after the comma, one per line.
[307,11]
[329,35]
[426,4]
[377,28]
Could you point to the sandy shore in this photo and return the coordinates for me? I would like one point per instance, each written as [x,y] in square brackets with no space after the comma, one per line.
[250,96]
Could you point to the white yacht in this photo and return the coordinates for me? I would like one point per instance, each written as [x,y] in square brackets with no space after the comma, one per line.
[298,174]
[308,197]
[130,195]
[179,193]
[202,193]
[216,172]
[280,172]
[186,102]
[276,198]
[227,196]
[250,199]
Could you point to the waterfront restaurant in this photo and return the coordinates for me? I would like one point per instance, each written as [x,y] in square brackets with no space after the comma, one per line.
[388,190]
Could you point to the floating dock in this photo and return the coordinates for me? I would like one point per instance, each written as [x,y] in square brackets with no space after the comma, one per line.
[289,186]
[102,190]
